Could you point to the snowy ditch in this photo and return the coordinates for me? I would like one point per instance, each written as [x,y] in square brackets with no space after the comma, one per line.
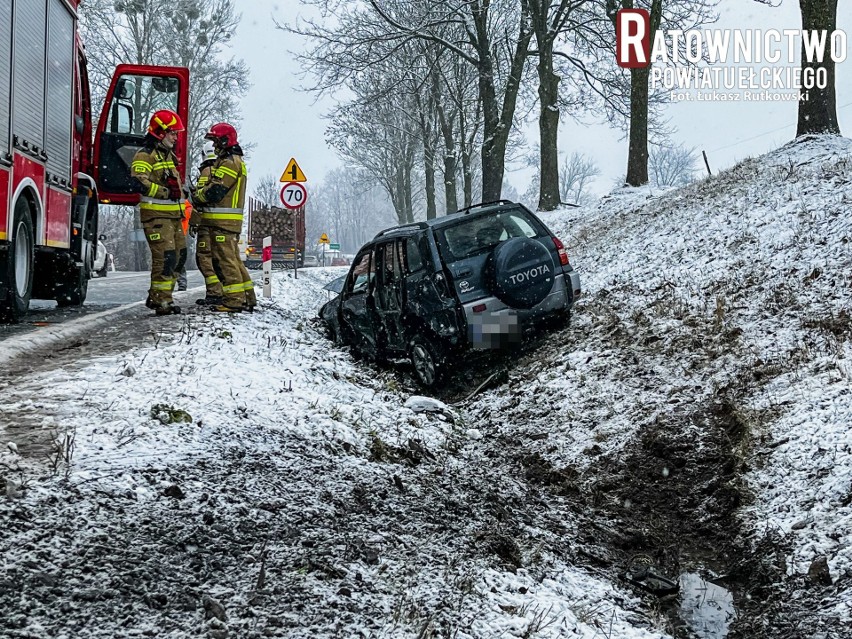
[241,476]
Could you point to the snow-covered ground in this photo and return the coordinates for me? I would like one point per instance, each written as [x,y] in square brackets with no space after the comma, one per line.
[240,476]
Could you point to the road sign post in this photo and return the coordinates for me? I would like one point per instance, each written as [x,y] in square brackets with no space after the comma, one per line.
[323,240]
[267,266]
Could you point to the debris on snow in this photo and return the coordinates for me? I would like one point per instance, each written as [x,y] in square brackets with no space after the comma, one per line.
[166,415]
[420,404]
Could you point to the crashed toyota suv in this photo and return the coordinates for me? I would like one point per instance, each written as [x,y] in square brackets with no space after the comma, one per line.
[429,291]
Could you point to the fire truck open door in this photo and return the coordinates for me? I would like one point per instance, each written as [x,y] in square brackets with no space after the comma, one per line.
[135,93]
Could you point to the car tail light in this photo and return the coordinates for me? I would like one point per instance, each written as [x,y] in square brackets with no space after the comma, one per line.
[560,248]
[479,308]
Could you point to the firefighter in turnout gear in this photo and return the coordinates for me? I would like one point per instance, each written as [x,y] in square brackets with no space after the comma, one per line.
[154,168]
[203,249]
[222,200]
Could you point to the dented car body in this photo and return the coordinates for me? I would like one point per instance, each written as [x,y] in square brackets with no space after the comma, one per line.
[478,279]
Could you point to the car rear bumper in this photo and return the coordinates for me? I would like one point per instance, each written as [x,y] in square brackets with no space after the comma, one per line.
[498,326]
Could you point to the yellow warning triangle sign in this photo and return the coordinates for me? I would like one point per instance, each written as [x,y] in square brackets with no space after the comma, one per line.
[293,173]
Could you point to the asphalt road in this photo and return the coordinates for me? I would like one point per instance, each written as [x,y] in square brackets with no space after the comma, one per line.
[117,289]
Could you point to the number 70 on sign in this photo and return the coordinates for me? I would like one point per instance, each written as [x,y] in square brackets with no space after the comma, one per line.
[294,195]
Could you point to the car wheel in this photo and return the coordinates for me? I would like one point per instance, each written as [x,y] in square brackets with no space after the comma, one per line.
[19,264]
[333,335]
[427,359]
[102,272]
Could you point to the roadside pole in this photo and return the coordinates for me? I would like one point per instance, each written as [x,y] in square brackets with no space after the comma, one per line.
[323,254]
[267,266]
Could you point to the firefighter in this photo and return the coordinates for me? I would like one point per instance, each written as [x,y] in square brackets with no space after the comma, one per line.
[222,200]
[154,168]
[203,250]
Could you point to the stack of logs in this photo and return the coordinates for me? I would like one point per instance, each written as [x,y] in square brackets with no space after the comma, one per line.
[274,221]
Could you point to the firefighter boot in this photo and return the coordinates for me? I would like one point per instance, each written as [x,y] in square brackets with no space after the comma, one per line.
[167,309]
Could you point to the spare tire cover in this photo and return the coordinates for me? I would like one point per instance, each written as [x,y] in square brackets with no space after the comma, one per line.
[521,272]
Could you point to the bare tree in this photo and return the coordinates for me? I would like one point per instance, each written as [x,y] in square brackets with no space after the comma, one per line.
[492,36]
[549,20]
[673,165]
[376,133]
[598,38]
[267,190]
[818,107]
[577,172]
[347,211]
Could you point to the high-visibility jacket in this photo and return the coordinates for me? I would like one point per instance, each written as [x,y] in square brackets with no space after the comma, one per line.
[206,168]
[187,215]
[223,197]
[153,168]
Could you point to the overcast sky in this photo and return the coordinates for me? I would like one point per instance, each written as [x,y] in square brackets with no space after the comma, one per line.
[284,122]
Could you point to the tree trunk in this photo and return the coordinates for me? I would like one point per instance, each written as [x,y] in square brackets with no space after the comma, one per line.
[449,148]
[637,155]
[429,165]
[407,190]
[429,159]
[818,107]
[497,121]
[548,127]
[492,158]
[396,191]
[467,137]
[467,172]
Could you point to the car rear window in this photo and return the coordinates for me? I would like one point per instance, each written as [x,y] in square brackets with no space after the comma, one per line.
[479,234]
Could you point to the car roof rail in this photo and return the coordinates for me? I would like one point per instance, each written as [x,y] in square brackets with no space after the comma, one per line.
[404,227]
[468,209]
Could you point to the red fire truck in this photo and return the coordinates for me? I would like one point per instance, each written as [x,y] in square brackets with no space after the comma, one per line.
[53,171]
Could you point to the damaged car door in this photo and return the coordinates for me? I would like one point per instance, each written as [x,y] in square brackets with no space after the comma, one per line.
[358,306]
[389,296]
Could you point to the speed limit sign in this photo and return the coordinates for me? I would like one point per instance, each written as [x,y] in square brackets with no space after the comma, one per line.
[294,195]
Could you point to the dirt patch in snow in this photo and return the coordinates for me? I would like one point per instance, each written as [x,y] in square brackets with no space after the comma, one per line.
[671,494]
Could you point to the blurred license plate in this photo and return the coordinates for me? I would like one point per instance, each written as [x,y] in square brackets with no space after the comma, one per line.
[494,330]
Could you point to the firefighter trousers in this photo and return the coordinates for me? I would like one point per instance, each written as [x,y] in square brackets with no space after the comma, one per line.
[204,260]
[237,287]
[168,255]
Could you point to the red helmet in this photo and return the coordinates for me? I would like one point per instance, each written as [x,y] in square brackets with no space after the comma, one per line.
[223,134]
[164,120]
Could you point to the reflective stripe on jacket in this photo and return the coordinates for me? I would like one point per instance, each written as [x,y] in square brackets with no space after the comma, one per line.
[227,214]
[152,168]
[203,180]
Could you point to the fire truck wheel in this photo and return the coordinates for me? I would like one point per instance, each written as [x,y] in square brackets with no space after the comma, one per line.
[19,263]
